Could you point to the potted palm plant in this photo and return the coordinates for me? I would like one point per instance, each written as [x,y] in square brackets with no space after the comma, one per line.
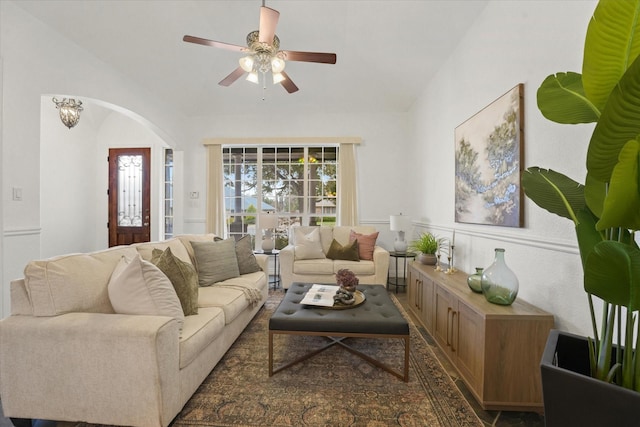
[606,213]
[427,244]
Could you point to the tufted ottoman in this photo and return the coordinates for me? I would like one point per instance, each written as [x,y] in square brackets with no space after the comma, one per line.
[377,317]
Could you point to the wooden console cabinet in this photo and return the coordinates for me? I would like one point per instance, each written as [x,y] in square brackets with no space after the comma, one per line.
[496,349]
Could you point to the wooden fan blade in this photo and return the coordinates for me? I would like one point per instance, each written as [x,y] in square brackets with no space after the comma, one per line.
[221,45]
[324,58]
[288,84]
[268,23]
[235,75]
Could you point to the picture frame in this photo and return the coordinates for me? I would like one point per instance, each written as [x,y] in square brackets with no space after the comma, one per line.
[489,149]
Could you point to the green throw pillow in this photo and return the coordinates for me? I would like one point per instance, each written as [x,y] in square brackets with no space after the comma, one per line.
[215,261]
[348,252]
[183,277]
[247,262]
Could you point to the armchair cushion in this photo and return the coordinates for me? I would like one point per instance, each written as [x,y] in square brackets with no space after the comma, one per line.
[366,243]
[139,287]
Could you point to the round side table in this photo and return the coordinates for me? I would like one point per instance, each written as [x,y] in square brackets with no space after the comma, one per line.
[400,281]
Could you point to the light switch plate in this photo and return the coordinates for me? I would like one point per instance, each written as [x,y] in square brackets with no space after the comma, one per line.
[17,193]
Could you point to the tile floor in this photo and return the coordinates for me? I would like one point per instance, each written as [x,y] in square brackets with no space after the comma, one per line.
[489,418]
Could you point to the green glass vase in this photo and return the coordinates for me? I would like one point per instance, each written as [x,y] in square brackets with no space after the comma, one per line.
[475,280]
[499,283]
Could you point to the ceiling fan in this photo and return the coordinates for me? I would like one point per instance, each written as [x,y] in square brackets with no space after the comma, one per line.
[263,54]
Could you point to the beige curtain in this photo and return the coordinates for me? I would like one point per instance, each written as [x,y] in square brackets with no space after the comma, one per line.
[348,187]
[215,191]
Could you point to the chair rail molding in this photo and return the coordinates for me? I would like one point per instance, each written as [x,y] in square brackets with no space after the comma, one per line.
[536,241]
[22,231]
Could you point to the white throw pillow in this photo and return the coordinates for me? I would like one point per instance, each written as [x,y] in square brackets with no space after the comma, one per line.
[139,287]
[308,246]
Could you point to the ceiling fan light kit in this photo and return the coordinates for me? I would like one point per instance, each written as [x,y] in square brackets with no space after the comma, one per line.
[278,78]
[253,77]
[263,54]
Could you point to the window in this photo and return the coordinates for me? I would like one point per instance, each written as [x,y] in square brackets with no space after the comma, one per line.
[168,193]
[297,182]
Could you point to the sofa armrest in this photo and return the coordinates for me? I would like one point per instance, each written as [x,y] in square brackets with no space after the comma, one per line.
[287,256]
[101,368]
[263,262]
[381,262]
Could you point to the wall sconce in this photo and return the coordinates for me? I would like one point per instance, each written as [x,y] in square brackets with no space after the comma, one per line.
[400,223]
[268,221]
[69,111]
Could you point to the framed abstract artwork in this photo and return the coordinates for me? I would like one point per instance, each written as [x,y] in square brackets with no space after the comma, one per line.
[489,148]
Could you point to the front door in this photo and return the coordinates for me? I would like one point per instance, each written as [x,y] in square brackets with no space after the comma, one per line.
[129,195]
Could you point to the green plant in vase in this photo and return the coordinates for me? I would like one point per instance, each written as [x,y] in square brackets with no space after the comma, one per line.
[427,244]
[606,208]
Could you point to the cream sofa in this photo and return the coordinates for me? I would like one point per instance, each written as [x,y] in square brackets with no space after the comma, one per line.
[322,270]
[66,356]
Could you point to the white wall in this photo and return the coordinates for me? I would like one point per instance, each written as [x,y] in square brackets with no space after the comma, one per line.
[74,177]
[37,61]
[67,183]
[382,176]
[510,43]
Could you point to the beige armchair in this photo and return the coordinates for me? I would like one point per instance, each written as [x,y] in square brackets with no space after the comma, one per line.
[320,269]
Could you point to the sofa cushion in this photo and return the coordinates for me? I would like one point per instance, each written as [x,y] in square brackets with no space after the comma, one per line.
[20,304]
[198,332]
[232,295]
[139,287]
[74,282]
[247,262]
[361,268]
[231,300]
[186,240]
[307,245]
[177,249]
[347,252]
[366,243]
[314,266]
[215,261]
[183,277]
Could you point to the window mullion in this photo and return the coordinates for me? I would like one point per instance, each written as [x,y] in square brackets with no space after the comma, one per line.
[259,185]
[305,186]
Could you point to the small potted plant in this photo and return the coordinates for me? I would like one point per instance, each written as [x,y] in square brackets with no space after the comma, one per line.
[427,244]
[347,279]
[348,282]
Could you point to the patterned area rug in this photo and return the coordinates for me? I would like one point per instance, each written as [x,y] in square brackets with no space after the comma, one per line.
[333,388]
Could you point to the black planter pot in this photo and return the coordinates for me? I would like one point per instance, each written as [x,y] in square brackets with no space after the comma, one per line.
[572,398]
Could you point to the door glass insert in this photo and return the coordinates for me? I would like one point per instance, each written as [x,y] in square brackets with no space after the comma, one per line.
[130,191]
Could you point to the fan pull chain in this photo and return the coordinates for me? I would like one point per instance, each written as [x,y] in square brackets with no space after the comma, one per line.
[264,85]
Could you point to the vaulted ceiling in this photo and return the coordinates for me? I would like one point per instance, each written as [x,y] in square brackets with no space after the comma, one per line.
[386,50]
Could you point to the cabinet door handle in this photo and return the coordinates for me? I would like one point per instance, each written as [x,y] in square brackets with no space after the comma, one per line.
[454,315]
[449,310]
